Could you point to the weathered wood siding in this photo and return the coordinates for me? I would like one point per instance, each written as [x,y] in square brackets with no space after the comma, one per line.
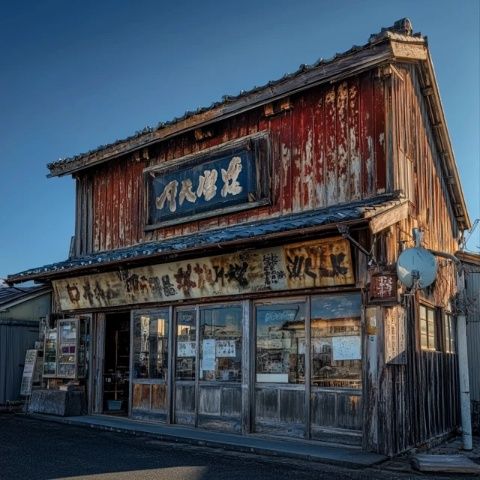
[407,405]
[327,148]
[418,163]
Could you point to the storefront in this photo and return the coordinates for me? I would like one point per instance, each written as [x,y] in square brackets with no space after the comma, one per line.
[273,361]
[235,269]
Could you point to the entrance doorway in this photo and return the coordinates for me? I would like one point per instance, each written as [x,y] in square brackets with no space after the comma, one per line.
[116,364]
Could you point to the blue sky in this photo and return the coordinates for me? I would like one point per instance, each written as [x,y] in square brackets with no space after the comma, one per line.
[75,75]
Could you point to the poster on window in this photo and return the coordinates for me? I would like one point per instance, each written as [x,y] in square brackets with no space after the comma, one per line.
[186,349]
[346,348]
[225,348]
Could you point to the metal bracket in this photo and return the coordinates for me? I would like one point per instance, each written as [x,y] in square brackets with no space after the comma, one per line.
[344,231]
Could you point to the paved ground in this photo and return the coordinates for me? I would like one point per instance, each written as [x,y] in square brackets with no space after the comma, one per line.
[38,450]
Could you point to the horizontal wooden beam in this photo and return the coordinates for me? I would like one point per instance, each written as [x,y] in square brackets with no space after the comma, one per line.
[390,217]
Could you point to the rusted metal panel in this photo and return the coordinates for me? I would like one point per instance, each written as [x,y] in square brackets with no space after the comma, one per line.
[317,263]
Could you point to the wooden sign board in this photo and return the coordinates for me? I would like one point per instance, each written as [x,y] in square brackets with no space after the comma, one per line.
[29,370]
[383,288]
[232,176]
[318,263]
[395,338]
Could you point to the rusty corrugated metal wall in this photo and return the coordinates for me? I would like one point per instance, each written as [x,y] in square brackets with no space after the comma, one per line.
[472,281]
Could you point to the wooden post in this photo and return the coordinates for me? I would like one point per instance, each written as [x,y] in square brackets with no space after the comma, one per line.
[99,348]
[370,320]
[171,365]
[247,383]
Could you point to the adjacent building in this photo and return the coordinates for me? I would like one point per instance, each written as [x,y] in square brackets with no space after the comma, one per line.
[234,269]
[471,266]
[22,312]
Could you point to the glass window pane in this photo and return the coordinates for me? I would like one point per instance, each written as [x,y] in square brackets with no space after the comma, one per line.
[150,344]
[186,345]
[336,306]
[221,343]
[281,343]
[336,341]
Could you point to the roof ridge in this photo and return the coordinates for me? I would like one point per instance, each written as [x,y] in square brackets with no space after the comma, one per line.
[401,29]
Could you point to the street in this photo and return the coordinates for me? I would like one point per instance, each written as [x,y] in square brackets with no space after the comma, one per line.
[39,450]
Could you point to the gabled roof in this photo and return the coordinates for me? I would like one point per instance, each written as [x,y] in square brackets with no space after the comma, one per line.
[10,296]
[396,43]
[240,235]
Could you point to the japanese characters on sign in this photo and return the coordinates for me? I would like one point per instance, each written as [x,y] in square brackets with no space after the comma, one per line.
[383,288]
[227,179]
[319,263]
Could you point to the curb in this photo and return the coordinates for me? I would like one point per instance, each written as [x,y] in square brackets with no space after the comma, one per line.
[228,446]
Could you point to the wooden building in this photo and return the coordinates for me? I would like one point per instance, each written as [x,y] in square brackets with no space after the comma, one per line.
[236,266]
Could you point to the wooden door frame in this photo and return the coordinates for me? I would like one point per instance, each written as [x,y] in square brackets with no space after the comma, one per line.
[98,354]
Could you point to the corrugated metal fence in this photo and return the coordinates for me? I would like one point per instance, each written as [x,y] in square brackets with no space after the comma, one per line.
[472,277]
[15,338]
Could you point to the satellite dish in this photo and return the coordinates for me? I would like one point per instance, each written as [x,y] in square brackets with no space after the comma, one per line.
[416,265]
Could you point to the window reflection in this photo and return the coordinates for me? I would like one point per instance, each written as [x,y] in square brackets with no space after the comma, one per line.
[150,345]
[336,341]
[221,343]
[186,345]
[281,343]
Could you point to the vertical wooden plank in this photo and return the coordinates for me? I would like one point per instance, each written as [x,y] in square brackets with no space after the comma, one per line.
[319,149]
[341,142]
[367,134]
[354,155]
[331,179]
[90,213]
[78,201]
[296,162]
[285,143]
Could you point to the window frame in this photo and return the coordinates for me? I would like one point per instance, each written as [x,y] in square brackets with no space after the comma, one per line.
[260,142]
[136,314]
[436,343]
[449,332]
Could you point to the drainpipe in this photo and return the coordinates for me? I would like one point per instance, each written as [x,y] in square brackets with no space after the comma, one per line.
[462,353]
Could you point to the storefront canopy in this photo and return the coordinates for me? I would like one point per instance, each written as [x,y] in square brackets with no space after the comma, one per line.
[213,240]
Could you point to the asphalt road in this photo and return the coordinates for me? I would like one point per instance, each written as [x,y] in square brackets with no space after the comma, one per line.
[38,450]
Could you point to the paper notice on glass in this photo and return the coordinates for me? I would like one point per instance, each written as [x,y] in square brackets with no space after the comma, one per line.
[186,349]
[208,355]
[225,348]
[301,347]
[207,364]
[346,348]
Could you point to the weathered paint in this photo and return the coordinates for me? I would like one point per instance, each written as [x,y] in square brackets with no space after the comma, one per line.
[326,148]
[318,263]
